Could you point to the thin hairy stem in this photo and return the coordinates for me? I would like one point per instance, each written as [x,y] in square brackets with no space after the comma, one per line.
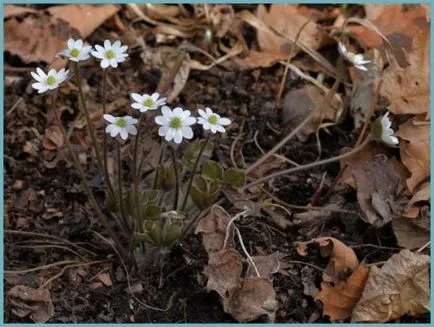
[87,116]
[120,192]
[160,161]
[196,164]
[104,110]
[135,170]
[175,170]
[308,166]
[93,201]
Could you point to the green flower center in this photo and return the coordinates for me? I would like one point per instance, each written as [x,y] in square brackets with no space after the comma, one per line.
[351,56]
[74,52]
[51,80]
[213,119]
[176,122]
[121,122]
[148,102]
[110,54]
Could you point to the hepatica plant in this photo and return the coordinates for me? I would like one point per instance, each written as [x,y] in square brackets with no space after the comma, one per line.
[144,214]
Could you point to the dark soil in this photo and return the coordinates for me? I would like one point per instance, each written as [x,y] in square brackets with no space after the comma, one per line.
[44,194]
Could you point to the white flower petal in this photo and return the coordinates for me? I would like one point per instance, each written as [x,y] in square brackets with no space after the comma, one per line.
[165,110]
[220,128]
[113,63]
[162,131]
[38,86]
[116,44]
[170,134]
[224,121]
[203,114]
[178,111]
[161,120]
[110,118]
[137,106]
[208,111]
[78,44]
[178,136]
[124,133]
[107,45]
[187,132]
[131,129]
[114,131]
[70,43]
[213,128]
[189,121]
[41,73]
[36,76]
[154,96]
[105,63]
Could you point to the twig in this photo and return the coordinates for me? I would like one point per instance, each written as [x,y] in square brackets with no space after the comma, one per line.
[247,253]
[238,215]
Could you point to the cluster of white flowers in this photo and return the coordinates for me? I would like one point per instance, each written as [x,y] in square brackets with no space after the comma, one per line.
[174,124]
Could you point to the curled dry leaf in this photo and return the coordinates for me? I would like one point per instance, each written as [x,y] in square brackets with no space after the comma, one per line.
[408,89]
[221,18]
[340,299]
[13,10]
[40,38]
[53,138]
[104,278]
[400,287]
[415,150]
[253,299]
[267,265]
[224,272]
[288,20]
[29,301]
[342,258]
[378,187]
[213,229]
[299,103]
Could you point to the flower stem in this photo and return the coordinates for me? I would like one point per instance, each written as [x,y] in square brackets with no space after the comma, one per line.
[136,170]
[104,110]
[121,197]
[93,201]
[175,170]
[308,166]
[196,164]
[160,161]
[87,116]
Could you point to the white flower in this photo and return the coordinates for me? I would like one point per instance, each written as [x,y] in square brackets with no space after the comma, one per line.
[120,125]
[147,102]
[356,59]
[175,124]
[387,132]
[110,55]
[76,51]
[212,121]
[48,81]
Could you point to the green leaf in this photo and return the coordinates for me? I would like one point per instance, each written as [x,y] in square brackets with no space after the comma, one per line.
[212,170]
[235,177]
[200,183]
[192,152]
[151,211]
[198,197]
[153,229]
[172,232]
[213,187]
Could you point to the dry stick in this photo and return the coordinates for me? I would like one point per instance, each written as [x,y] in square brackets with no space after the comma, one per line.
[18,232]
[58,263]
[196,164]
[293,48]
[87,116]
[175,170]
[308,166]
[327,100]
[86,185]
[121,195]
[135,170]
[44,246]
[104,110]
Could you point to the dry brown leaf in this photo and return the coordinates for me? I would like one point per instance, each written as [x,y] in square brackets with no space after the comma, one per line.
[415,151]
[13,10]
[378,187]
[180,79]
[400,287]
[415,232]
[213,229]
[254,59]
[29,301]
[299,103]
[397,24]
[269,164]
[84,18]
[224,272]
[267,265]
[105,278]
[53,138]
[340,299]
[287,19]
[42,37]
[253,299]
[408,89]
[160,11]
[221,18]
[341,256]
